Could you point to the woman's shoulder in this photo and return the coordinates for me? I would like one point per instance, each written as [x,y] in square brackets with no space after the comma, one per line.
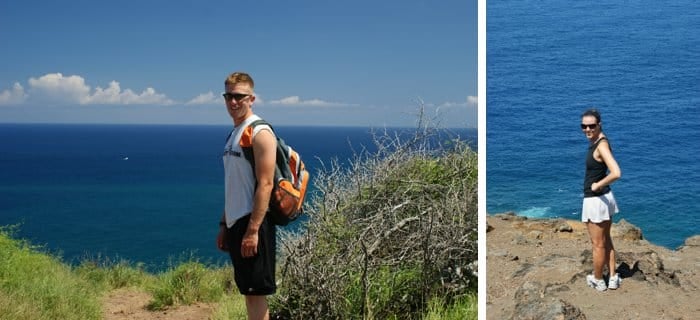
[602,139]
[603,142]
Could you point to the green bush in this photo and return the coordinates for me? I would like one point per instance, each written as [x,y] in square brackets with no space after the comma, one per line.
[385,237]
[389,293]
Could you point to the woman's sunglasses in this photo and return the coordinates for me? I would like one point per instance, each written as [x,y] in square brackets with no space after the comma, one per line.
[589,126]
[237,96]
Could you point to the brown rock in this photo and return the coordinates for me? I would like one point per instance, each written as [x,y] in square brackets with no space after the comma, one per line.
[693,241]
[626,231]
[510,215]
[532,304]
[657,282]
[563,226]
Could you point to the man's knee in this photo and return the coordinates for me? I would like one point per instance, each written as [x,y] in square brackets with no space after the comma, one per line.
[256,302]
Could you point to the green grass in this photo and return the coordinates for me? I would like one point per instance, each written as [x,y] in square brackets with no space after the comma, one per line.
[390,293]
[38,286]
[106,276]
[188,283]
[464,308]
[233,307]
[35,285]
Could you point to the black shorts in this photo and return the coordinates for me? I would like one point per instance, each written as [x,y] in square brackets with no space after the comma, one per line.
[255,275]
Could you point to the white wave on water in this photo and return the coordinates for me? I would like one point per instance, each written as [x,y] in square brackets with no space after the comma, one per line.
[535,212]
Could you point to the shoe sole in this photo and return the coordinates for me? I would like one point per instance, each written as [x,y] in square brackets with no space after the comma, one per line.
[617,285]
[594,285]
[590,282]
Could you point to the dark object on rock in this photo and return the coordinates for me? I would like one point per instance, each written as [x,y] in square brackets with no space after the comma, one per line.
[645,266]
[488,227]
[524,269]
[510,215]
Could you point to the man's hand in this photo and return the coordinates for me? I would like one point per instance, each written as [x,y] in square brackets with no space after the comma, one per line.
[249,245]
[221,241]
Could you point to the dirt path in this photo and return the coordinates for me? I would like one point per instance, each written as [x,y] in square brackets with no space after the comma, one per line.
[130,303]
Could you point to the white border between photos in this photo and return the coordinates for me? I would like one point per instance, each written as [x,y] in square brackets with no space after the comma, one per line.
[481,140]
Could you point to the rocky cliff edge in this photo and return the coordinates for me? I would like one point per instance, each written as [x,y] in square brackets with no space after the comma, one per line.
[536,269]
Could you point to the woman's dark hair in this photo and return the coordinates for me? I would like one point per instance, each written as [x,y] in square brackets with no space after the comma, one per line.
[592,112]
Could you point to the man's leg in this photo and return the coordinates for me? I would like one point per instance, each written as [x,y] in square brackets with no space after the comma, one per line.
[257,307]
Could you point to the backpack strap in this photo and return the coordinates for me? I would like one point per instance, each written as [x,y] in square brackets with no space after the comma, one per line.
[247,145]
[246,124]
[289,184]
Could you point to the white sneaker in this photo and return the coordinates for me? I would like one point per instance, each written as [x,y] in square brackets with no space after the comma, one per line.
[614,282]
[598,284]
[589,280]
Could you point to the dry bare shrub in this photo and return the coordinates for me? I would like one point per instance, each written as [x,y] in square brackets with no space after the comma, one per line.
[385,234]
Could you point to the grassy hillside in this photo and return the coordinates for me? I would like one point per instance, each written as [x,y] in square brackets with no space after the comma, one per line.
[37,286]
[392,237]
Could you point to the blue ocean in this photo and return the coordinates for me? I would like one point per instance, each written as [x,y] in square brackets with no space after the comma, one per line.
[638,62]
[150,194]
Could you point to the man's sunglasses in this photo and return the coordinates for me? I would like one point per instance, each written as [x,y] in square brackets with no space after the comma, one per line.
[238,96]
[589,126]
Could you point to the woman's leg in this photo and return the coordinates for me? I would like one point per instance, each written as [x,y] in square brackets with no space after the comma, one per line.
[596,231]
[610,250]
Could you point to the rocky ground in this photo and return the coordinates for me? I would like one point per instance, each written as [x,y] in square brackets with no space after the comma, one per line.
[536,269]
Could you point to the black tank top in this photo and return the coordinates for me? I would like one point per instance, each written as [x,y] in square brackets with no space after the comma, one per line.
[595,171]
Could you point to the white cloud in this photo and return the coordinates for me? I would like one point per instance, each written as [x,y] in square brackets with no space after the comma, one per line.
[205,98]
[471,101]
[114,95]
[57,87]
[73,89]
[259,100]
[210,98]
[455,113]
[297,101]
[16,95]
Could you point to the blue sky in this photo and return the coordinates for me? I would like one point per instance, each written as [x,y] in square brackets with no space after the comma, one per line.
[360,63]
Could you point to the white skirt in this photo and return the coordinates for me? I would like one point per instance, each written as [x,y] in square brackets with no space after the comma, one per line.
[599,209]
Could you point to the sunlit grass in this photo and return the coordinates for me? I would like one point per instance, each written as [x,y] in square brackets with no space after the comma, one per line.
[34,285]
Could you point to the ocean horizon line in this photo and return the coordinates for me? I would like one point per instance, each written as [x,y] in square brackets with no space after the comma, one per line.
[216,125]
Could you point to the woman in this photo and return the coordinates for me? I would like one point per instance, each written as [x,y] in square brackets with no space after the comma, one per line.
[599,203]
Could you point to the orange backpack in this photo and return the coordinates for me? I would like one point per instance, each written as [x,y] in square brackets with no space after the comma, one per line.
[291,178]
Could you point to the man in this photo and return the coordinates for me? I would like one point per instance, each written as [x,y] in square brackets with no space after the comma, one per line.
[244,230]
